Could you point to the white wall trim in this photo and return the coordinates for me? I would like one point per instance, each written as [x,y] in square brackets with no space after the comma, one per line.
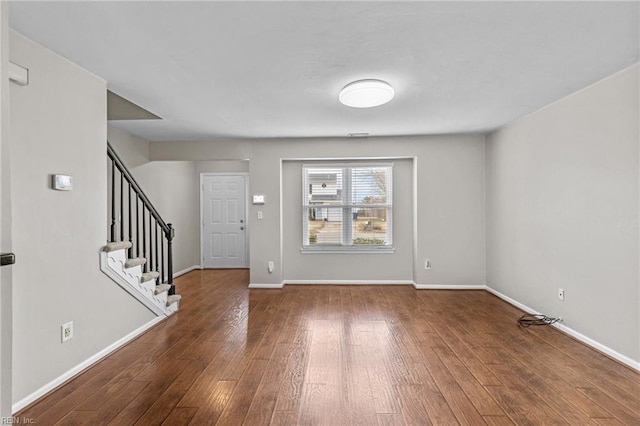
[83,366]
[257,285]
[349,282]
[573,333]
[449,287]
[186,270]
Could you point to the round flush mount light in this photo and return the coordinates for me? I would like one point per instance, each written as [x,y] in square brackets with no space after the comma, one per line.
[366,93]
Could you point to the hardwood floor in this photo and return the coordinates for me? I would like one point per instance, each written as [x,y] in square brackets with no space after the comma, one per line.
[341,355]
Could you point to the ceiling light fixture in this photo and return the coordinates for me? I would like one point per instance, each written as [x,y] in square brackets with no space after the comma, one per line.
[366,93]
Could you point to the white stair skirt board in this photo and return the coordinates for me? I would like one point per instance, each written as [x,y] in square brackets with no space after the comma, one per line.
[571,332]
[19,405]
[114,265]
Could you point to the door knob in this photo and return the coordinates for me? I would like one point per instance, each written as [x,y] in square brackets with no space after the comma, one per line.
[242,228]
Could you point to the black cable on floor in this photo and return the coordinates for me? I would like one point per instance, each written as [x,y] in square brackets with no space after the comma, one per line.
[528,320]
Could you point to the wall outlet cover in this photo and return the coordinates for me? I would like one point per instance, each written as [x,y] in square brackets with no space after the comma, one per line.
[561,293]
[67,331]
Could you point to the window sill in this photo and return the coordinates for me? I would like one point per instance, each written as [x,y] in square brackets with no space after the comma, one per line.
[343,250]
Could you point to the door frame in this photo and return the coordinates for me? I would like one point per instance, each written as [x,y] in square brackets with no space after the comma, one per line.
[246,215]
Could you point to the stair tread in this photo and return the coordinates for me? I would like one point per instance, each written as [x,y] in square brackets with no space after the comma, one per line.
[135,262]
[162,288]
[173,299]
[117,245]
[148,276]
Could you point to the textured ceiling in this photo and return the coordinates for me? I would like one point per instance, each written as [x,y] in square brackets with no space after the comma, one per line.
[215,70]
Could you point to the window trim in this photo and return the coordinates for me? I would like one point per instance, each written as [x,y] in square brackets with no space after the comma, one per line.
[345,206]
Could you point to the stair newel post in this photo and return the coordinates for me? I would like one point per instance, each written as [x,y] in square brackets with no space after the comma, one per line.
[130,251]
[121,207]
[113,201]
[170,233]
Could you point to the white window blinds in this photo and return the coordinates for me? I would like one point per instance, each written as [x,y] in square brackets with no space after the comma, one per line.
[347,206]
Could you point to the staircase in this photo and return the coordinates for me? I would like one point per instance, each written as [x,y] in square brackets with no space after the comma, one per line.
[135,257]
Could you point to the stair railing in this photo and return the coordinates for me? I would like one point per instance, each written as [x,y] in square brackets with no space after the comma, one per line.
[140,226]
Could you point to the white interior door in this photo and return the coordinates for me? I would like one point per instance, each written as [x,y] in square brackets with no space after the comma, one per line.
[224,225]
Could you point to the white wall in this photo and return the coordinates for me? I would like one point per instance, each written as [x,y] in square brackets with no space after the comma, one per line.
[58,125]
[352,266]
[6,275]
[450,198]
[563,210]
[133,151]
[230,166]
[172,187]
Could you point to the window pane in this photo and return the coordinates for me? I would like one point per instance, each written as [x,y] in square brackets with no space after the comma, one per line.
[369,185]
[324,186]
[324,225]
[370,226]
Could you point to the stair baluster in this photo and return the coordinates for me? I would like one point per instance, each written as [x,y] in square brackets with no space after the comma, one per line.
[121,207]
[137,225]
[113,201]
[155,266]
[150,267]
[130,250]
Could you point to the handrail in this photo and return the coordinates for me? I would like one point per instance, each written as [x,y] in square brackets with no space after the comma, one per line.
[154,262]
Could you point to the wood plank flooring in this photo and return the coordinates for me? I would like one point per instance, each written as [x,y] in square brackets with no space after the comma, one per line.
[344,355]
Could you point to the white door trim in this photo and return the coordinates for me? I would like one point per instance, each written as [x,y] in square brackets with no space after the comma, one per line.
[246,214]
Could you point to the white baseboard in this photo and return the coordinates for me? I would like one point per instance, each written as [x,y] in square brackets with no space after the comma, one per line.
[449,287]
[573,333]
[82,366]
[257,285]
[184,271]
[349,282]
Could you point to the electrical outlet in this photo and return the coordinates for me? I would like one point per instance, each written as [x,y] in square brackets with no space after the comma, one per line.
[260,216]
[270,266]
[427,264]
[561,294]
[67,331]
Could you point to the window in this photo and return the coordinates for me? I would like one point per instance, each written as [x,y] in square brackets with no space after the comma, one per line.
[347,206]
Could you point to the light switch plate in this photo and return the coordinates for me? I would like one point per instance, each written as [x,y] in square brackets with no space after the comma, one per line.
[258,199]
